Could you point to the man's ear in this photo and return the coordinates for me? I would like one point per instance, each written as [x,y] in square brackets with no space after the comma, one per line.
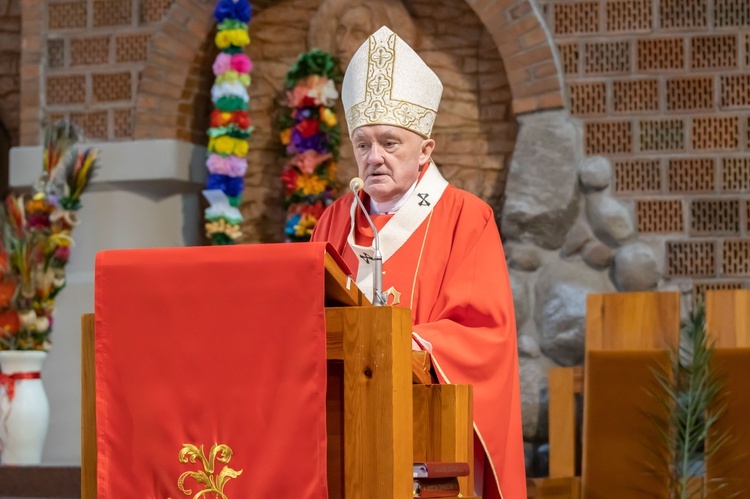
[426,151]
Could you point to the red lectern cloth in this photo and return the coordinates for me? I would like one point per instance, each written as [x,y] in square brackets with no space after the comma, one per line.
[211,346]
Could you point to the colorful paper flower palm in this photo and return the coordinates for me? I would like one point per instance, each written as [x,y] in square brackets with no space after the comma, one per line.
[311,136]
[230,124]
[35,233]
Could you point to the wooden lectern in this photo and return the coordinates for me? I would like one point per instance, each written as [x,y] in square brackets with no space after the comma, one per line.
[383,413]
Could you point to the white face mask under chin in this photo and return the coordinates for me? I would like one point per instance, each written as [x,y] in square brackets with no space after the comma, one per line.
[391,206]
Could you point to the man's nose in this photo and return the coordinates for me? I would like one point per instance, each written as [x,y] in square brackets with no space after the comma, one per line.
[376,155]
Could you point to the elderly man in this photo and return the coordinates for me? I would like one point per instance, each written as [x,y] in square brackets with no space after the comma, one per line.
[441,249]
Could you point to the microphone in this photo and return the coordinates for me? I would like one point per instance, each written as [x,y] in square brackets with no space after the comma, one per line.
[356,185]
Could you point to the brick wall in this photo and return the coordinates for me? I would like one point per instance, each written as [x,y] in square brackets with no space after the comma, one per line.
[663,90]
[96,53]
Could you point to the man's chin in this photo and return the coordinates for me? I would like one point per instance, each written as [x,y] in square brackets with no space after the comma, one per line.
[380,197]
[378,191]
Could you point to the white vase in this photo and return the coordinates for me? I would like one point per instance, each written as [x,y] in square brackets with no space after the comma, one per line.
[24,420]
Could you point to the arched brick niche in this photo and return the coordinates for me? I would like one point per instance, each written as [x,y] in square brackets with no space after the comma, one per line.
[10,55]
[493,56]
[10,84]
[523,42]
[142,70]
[466,44]
[174,92]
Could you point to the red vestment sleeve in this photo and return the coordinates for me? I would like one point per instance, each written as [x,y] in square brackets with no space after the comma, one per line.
[472,330]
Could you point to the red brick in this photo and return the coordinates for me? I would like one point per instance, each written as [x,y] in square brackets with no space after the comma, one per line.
[545,69]
[198,29]
[30,72]
[518,76]
[529,57]
[525,105]
[148,102]
[534,38]
[31,43]
[518,11]
[151,87]
[172,48]
[493,10]
[178,14]
[520,27]
[539,87]
[507,46]
[551,100]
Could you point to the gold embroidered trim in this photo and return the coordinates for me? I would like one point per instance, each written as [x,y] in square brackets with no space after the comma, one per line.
[379,108]
[419,261]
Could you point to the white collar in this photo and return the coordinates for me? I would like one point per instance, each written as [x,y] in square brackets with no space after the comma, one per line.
[391,206]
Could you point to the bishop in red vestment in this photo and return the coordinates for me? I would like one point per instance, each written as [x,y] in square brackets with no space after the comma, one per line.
[442,254]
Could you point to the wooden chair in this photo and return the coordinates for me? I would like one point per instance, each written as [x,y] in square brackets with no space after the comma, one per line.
[378,425]
[728,317]
[622,329]
[728,324]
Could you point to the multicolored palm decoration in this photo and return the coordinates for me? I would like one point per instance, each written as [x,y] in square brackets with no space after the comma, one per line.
[36,240]
[230,124]
[311,136]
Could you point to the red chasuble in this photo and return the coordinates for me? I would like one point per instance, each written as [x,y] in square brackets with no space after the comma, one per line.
[210,372]
[442,252]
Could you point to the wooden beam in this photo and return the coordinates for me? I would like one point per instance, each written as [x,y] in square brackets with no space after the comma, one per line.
[88,409]
[632,321]
[728,317]
[562,422]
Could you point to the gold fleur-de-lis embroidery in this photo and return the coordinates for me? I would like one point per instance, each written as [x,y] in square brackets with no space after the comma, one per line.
[211,484]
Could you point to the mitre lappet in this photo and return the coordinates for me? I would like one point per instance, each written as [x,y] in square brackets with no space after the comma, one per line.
[387,83]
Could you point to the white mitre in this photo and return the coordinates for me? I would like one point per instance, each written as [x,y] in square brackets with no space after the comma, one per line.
[387,83]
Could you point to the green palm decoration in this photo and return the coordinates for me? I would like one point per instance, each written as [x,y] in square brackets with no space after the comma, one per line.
[690,393]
